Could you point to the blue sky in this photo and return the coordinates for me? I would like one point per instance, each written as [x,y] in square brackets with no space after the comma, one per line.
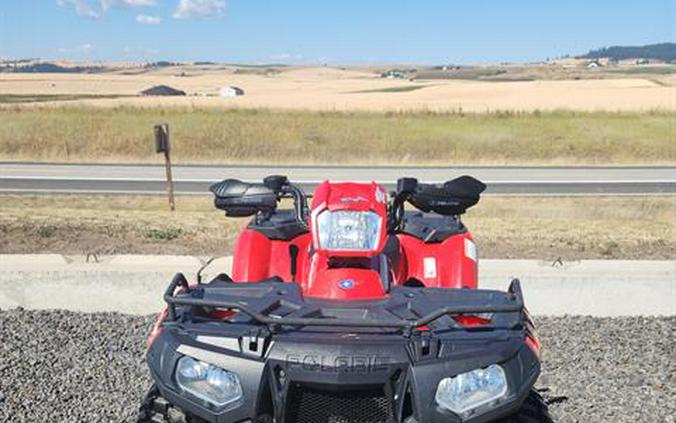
[327,31]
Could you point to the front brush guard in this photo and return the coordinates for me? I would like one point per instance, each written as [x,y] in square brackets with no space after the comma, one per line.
[277,305]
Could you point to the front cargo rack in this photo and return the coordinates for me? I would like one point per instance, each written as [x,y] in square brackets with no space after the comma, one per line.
[278,304]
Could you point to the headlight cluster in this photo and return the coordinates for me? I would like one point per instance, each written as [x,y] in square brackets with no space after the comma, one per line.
[210,383]
[344,230]
[466,394]
[472,392]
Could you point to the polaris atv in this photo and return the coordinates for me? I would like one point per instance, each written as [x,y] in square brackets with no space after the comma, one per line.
[351,310]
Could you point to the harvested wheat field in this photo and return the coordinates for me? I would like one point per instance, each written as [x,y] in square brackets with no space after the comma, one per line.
[326,88]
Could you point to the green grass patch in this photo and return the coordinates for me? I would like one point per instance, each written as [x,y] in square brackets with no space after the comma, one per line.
[46,231]
[214,135]
[165,234]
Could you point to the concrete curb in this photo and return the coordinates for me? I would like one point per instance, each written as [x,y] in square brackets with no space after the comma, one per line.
[24,260]
[134,284]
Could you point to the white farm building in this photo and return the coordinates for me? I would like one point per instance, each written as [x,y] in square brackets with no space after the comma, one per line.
[231,91]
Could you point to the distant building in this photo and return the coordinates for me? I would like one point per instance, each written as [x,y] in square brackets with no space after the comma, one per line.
[393,74]
[231,91]
[593,65]
[162,90]
[447,68]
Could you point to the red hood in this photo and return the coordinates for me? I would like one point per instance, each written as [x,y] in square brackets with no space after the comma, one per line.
[351,196]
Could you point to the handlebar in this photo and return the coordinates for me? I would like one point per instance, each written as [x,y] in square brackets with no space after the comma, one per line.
[452,198]
[299,201]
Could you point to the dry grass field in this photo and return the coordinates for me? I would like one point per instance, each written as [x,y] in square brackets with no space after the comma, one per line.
[330,89]
[505,227]
[564,114]
[86,134]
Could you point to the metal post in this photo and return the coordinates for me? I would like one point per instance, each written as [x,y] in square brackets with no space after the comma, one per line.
[170,181]
[162,145]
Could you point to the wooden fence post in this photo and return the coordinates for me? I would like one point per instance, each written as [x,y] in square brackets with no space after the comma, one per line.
[162,145]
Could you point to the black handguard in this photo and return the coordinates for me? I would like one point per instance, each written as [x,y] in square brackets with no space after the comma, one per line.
[453,197]
[241,199]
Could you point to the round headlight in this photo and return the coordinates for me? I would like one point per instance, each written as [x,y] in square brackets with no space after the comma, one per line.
[210,383]
[472,392]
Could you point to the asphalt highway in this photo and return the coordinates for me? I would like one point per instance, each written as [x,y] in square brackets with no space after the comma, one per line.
[195,179]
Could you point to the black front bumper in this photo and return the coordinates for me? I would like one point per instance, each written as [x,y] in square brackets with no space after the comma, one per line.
[311,362]
[296,378]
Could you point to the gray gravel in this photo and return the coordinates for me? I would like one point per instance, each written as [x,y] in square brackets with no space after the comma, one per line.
[67,367]
[609,370]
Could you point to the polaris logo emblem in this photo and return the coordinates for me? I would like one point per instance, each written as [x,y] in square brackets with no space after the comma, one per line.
[346,283]
[338,364]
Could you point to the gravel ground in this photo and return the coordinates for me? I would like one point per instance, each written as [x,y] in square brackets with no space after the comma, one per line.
[69,367]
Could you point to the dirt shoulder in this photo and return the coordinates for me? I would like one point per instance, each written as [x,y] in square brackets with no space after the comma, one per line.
[504,227]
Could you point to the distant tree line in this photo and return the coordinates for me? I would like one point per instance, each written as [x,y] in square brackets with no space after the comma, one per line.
[47,67]
[161,64]
[662,51]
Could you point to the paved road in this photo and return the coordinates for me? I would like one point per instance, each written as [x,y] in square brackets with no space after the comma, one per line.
[88,178]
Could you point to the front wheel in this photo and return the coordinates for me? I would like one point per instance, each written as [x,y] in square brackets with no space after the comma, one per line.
[156,409]
[533,410]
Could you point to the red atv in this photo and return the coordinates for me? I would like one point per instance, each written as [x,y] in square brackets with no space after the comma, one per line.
[352,310]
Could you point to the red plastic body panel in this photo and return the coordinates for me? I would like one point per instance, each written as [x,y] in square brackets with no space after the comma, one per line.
[345,284]
[440,265]
[451,263]
[256,257]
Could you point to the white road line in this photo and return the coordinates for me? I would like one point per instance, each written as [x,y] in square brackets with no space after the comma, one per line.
[305,181]
[198,193]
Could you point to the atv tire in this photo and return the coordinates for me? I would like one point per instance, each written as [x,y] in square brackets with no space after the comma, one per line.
[156,409]
[533,410]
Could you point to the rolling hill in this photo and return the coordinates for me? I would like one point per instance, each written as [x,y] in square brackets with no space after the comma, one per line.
[661,51]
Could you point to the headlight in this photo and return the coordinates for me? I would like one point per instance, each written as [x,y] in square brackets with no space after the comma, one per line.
[472,392]
[210,383]
[344,230]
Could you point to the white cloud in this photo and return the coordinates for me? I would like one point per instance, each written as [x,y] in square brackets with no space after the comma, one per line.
[187,9]
[107,4]
[95,9]
[148,20]
[82,49]
[82,8]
